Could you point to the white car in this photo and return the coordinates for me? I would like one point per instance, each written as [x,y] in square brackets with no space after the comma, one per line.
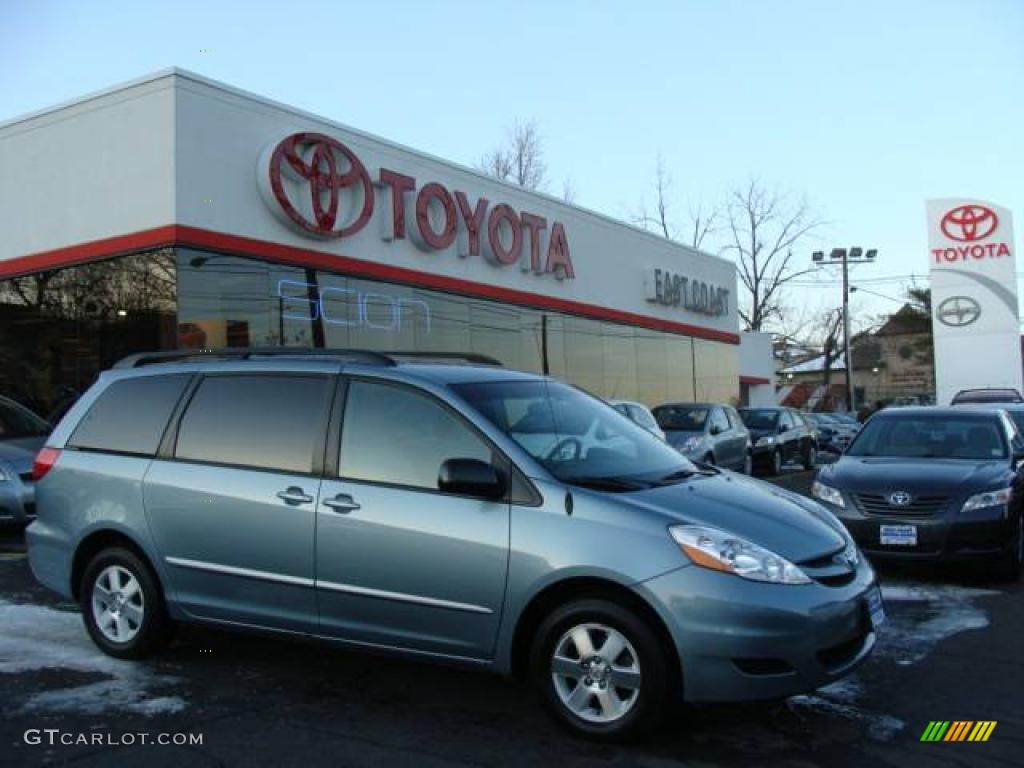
[639,414]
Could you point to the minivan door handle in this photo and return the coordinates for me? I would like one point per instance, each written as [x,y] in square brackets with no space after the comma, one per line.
[294,495]
[342,503]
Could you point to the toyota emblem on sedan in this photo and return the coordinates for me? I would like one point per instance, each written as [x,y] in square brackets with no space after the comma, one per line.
[900,498]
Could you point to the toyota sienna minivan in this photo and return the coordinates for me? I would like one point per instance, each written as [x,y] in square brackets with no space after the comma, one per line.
[444,510]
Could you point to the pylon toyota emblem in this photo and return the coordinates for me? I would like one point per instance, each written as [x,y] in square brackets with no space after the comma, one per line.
[338,197]
[958,311]
[969,222]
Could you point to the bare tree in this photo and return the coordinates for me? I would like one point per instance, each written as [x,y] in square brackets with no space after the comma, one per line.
[519,159]
[568,190]
[764,227]
[702,222]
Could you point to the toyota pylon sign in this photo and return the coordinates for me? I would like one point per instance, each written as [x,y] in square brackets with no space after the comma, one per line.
[974,297]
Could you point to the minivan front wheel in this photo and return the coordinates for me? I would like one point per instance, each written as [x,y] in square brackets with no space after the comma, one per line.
[122,605]
[601,670]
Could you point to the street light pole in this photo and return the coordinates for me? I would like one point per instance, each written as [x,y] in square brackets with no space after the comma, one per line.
[847,257]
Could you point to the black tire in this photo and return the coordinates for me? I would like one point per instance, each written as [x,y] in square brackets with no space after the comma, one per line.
[655,696]
[748,464]
[1009,567]
[156,628]
[775,463]
[810,457]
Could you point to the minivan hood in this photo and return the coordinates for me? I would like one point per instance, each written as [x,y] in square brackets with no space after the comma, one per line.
[945,477]
[795,527]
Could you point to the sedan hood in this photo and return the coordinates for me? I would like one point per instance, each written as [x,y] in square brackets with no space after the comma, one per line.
[795,527]
[677,437]
[21,452]
[937,477]
[756,434]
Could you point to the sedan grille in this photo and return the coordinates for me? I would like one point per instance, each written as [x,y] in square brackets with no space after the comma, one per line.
[879,504]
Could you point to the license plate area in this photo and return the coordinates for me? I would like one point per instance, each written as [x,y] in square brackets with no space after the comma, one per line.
[897,535]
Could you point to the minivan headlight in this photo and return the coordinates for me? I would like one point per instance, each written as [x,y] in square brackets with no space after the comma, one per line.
[988,499]
[721,551]
[827,493]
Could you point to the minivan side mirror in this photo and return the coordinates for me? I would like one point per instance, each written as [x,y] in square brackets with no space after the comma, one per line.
[471,477]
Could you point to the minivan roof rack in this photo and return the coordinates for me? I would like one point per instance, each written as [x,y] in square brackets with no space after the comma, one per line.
[369,356]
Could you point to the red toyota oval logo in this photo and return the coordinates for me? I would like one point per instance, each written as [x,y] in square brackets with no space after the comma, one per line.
[969,222]
[337,185]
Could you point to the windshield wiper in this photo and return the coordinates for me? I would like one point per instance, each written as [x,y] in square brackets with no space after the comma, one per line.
[683,474]
[608,483]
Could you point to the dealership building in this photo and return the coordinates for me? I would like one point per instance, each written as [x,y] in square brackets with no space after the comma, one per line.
[174,211]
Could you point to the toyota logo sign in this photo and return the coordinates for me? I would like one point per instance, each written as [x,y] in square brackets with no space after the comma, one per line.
[967,223]
[338,199]
[958,311]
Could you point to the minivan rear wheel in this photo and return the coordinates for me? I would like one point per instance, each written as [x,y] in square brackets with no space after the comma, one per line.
[122,605]
[600,669]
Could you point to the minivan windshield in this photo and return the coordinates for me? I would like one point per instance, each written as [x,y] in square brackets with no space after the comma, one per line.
[578,438]
[975,438]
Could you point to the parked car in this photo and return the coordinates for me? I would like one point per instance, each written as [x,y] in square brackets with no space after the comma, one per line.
[483,516]
[833,432]
[22,434]
[987,395]
[1014,410]
[932,483]
[780,436]
[638,413]
[707,432]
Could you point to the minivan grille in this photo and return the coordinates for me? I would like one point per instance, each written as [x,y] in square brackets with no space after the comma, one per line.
[878,504]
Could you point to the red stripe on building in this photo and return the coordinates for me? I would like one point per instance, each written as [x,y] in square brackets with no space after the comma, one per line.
[194,237]
[754,380]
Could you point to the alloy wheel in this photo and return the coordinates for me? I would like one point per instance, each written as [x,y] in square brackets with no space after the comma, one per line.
[596,673]
[118,605]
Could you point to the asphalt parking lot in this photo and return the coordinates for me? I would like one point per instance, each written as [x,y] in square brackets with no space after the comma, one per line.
[949,651]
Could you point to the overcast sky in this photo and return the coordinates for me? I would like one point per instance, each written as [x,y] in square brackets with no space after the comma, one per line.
[865,108]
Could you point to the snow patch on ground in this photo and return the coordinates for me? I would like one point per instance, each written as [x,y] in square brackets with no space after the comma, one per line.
[34,638]
[927,615]
[840,699]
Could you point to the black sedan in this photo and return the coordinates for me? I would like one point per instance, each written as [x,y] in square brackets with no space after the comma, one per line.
[780,436]
[932,483]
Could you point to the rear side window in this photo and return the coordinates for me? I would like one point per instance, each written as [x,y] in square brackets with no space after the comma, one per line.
[130,415]
[266,422]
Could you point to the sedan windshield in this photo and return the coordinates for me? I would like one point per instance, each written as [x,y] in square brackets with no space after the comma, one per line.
[946,437]
[578,438]
[681,418]
[756,418]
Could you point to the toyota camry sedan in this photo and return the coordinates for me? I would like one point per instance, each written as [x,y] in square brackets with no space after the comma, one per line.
[932,483]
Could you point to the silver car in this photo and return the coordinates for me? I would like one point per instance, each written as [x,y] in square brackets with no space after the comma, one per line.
[22,434]
[638,413]
[501,520]
[711,433]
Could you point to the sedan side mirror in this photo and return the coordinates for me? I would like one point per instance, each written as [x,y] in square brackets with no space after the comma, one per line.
[471,477]
[782,428]
[715,429]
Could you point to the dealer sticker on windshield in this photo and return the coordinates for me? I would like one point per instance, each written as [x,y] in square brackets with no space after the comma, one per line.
[898,535]
[876,609]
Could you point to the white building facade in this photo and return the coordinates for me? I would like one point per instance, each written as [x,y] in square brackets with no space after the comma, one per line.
[174,211]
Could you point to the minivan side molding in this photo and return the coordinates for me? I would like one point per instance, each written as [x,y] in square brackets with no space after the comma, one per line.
[351,589]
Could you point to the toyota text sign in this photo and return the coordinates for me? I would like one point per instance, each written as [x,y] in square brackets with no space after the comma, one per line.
[974,296]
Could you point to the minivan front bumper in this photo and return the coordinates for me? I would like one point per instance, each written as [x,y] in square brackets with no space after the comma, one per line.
[740,640]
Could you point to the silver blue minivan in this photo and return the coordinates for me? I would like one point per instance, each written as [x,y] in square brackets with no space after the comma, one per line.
[445,509]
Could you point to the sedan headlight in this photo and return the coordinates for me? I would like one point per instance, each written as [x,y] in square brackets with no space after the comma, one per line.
[827,493]
[721,551]
[988,499]
[766,440]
